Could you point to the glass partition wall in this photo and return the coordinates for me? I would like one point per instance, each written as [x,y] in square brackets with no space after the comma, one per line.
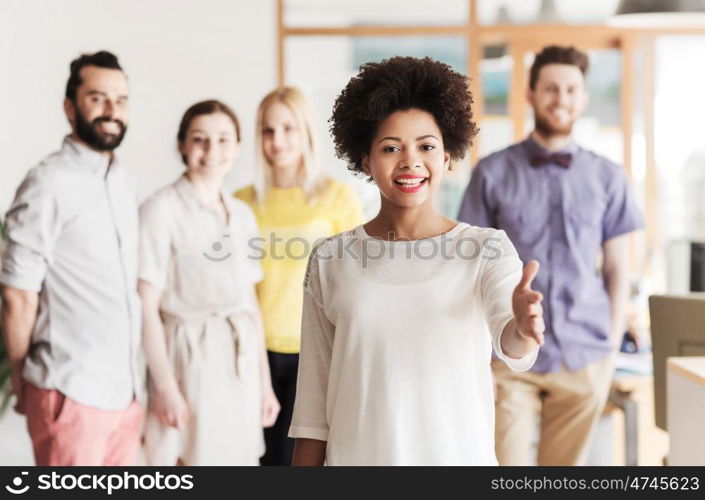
[641,109]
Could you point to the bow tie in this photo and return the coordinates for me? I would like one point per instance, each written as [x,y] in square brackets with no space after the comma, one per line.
[561,159]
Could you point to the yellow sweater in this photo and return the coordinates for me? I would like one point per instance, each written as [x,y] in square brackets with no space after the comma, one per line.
[289,227]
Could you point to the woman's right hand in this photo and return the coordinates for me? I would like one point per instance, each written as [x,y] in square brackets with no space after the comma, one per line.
[171,408]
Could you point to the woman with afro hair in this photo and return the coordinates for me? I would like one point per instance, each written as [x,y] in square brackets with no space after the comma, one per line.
[401,314]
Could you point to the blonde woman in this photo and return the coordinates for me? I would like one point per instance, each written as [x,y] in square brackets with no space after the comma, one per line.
[295,205]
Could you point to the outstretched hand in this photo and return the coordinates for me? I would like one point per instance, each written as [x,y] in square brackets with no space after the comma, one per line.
[527,308]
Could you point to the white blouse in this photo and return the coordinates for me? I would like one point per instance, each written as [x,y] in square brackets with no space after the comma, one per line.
[397,338]
[203,265]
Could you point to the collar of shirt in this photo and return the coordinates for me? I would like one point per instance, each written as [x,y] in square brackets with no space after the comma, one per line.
[190,196]
[84,156]
[533,148]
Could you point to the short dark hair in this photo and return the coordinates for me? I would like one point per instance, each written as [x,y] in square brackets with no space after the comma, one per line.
[555,54]
[399,84]
[102,59]
[205,108]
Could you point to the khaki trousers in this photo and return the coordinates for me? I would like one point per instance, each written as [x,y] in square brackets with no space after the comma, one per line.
[567,405]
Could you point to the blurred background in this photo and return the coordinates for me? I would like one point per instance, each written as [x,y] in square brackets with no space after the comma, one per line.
[647,103]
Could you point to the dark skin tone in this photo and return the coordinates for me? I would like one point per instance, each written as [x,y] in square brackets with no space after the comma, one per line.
[409,143]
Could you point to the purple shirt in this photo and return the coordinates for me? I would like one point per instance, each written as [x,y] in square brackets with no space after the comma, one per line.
[560,217]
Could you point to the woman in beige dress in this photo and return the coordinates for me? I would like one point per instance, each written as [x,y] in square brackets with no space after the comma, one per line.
[209,384]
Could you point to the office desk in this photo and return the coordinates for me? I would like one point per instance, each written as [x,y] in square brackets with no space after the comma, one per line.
[637,439]
[685,406]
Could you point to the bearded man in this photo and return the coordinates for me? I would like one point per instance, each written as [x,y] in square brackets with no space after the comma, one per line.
[71,314]
[571,210]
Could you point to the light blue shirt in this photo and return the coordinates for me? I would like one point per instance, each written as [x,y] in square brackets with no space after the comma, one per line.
[73,231]
[561,217]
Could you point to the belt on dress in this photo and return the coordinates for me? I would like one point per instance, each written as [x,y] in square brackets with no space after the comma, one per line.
[188,333]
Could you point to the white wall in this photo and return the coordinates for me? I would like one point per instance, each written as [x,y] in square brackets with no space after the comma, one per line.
[174,53]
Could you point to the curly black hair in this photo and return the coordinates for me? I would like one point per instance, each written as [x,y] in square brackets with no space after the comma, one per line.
[399,84]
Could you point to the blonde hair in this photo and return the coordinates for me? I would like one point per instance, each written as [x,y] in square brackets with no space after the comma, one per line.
[309,177]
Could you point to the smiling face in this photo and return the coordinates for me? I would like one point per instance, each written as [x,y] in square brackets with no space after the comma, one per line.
[407,158]
[282,137]
[558,99]
[99,113]
[210,145]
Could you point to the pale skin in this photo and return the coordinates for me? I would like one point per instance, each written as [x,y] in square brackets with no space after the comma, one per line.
[210,148]
[19,313]
[558,99]
[102,93]
[409,143]
[282,144]
[615,272]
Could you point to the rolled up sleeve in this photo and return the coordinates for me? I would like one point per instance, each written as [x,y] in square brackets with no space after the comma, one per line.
[32,228]
[155,243]
[622,215]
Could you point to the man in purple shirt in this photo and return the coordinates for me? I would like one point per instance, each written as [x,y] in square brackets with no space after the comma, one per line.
[565,207]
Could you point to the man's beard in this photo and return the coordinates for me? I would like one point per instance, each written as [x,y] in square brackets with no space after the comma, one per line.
[89,132]
[545,129]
